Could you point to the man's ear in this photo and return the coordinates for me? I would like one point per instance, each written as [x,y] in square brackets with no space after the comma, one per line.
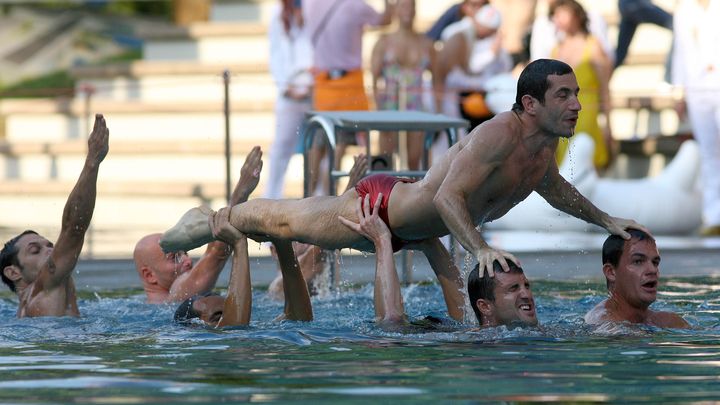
[13,273]
[529,104]
[609,272]
[147,275]
[485,307]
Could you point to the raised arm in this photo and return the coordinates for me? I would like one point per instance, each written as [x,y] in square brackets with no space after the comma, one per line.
[468,172]
[78,211]
[448,276]
[387,294]
[206,271]
[566,198]
[297,297]
[238,303]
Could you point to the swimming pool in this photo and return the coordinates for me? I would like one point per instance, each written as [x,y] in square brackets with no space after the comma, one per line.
[125,351]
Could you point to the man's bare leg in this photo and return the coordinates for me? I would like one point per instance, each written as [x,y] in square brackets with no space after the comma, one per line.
[310,220]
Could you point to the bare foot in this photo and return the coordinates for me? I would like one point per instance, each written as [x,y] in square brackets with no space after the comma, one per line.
[191,231]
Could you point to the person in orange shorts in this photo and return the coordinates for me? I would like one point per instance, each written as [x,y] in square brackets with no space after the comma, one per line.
[336,30]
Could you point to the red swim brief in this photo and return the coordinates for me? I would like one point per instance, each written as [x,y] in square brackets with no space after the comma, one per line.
[382,183]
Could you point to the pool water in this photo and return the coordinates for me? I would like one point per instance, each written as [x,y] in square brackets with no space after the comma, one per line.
[125,351]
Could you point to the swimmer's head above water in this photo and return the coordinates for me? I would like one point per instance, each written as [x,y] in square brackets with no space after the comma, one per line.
[505,299]
[207,307]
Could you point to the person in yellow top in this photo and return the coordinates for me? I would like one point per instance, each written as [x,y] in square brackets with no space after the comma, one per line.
[592,66]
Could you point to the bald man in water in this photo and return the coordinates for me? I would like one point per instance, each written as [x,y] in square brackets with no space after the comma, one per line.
[172,277]
[478,180]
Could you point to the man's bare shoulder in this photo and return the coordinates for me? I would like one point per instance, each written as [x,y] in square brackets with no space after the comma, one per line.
[598,314]
[503,132]
[35,301]
[665,319]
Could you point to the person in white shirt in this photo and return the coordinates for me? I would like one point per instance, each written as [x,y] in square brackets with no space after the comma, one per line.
[696,69]
[291,57]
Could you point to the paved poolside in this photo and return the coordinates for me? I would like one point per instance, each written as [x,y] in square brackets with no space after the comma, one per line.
[557,256]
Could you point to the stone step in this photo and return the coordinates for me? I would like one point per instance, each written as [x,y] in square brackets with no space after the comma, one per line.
[57,120]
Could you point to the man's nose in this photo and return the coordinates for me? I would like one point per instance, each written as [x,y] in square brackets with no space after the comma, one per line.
[525,292]
[575,105]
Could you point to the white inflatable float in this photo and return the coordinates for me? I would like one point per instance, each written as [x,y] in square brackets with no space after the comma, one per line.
[668,203]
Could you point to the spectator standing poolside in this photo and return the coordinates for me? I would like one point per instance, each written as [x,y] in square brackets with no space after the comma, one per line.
[290,63]
[581,50]
[544,37]
[399,62]
[632,14]
[336,30]
[696,69]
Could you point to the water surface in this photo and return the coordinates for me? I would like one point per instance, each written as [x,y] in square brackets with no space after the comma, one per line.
[125,351]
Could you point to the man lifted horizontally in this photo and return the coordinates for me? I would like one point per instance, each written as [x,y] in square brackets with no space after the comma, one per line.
[478,180]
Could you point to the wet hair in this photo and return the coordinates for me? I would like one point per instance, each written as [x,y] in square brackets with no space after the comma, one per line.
[534,81]
[185,313]
[578,11]
[614,246]
[8,257]
[484,288]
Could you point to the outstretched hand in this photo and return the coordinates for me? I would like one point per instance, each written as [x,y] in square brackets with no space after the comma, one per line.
[619,227]
[221,227]
[486,256]
[249,176]
[98,141]
[369,224]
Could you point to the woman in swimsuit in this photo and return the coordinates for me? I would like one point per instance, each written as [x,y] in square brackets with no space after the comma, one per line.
[399,63]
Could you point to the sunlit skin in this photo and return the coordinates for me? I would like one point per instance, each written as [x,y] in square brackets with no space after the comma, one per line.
[479,179]
[33,252]
[42,271]
[514,303]
[633,286]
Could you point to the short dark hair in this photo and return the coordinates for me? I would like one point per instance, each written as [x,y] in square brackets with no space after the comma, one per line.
[185,313]
[534,81]
[484,288]
[577,9]
[8,257]
[614,245]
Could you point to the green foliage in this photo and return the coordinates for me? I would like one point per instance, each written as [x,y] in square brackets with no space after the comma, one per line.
[52,84]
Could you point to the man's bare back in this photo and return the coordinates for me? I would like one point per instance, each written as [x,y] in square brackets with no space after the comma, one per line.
[498,149]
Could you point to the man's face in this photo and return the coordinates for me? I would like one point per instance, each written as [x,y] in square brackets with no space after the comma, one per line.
[637,273]
[514,301]
[168,266]
[33,253]
[559,114]
[406,12]
[210,309]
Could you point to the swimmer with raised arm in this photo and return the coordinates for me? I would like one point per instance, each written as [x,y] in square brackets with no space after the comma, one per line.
[172,277]
[505,299]
[235,309]
[632,273]
[478,180]
[39,271]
